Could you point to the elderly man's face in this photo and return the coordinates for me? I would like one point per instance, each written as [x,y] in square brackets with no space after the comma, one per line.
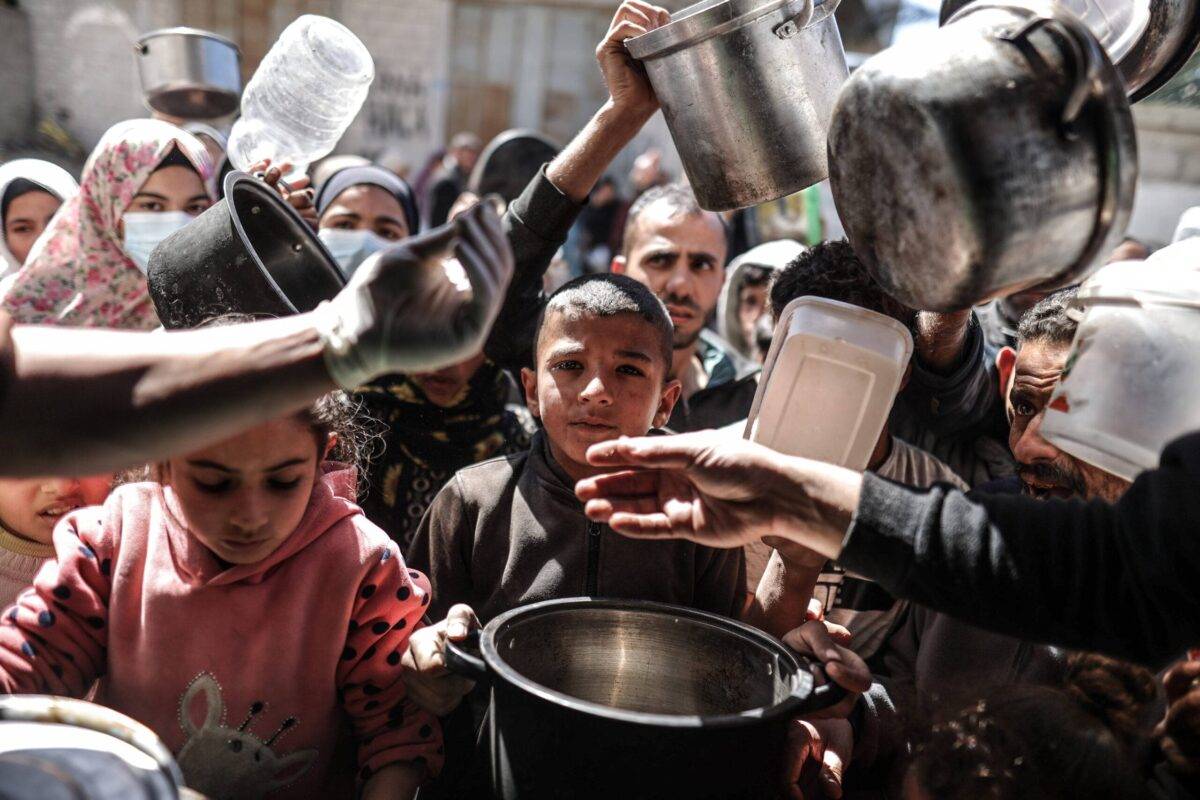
[1045,471]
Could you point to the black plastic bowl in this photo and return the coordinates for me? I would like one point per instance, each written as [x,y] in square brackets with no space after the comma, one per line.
[251,254]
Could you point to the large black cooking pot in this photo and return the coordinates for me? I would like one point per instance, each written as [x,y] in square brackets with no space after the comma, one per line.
[251,253]
[618,698]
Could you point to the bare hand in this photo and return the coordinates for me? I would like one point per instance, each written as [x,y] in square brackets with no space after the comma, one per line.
[625,78]
[297,193]
[423,666]
[829,744]
[718,491]
[1179,732]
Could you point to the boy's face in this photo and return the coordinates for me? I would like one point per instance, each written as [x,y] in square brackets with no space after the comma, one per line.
[597,378]
[30,508]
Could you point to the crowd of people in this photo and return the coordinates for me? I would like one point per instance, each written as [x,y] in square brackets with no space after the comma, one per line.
[270,579]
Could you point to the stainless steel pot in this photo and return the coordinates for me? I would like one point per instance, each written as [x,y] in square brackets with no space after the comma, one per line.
[52,747]
[620,698]
[747,88]
[1169,40]
[189,73]
[995,155]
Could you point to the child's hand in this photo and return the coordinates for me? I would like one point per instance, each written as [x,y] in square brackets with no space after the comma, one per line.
[423,667]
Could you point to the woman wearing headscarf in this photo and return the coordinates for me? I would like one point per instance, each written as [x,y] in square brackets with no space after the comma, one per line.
[434,424]
[145,180]
[31,192]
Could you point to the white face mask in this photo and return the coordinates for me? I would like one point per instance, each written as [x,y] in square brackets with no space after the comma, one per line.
[351,248]
[144,230]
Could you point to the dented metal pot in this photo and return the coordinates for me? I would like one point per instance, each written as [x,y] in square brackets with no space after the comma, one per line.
[995,155]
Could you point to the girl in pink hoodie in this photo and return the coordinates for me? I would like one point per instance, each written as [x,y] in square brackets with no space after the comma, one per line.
[243,608]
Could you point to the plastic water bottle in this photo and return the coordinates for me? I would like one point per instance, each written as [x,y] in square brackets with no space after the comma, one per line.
[303,96]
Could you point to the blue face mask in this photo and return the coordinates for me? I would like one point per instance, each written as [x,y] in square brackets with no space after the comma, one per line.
[144,230]
[351,248]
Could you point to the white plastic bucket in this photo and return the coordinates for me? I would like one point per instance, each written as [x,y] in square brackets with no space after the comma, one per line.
[1132,377]
[829,381]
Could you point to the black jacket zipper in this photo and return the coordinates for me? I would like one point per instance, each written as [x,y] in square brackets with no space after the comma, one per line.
[593,559]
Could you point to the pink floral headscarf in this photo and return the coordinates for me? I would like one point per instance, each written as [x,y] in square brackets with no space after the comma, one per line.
[77,273]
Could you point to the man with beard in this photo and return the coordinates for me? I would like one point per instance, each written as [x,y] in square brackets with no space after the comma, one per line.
[932,658]
[1028,376]
[678,250]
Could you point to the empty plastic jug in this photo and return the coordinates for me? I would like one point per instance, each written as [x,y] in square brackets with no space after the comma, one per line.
[829,381]
[303,96]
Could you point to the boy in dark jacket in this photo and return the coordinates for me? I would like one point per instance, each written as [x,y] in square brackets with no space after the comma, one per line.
[511,531]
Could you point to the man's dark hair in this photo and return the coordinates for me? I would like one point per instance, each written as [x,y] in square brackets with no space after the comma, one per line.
[831,270]
[679,199]
[607,295]
[1050,320]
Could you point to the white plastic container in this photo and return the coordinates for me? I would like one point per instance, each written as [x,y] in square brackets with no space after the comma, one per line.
[1133,373]
[304,94]
[829,381]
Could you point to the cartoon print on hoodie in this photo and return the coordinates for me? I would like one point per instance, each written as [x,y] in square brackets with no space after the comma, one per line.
[222,762]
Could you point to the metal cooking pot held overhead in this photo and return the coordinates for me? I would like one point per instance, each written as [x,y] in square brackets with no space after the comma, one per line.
[1167,34]
[189,73]
[995,155]
[620,698]
[747,88]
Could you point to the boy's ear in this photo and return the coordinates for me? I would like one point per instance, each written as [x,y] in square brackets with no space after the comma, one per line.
[618,265]
[330,443]
[529,382]
[666,402]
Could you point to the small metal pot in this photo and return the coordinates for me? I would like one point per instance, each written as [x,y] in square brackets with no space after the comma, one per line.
[58,747]
[189,73]
[995,155]
[250,253]
[618,698]
[747,88]
[1171,37]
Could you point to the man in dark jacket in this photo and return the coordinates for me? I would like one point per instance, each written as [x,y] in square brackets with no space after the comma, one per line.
[678,249]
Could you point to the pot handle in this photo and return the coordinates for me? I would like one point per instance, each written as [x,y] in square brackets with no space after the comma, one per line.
[1086,55]
[467,664]
[829,693]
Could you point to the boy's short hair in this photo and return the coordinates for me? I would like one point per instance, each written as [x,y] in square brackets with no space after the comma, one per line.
[831,270]
[607,295]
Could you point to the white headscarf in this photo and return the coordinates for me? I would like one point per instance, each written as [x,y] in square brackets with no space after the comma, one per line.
[51,177]
[771,255]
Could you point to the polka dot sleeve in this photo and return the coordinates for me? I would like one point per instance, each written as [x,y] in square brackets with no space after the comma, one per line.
[54,639]
[388,726]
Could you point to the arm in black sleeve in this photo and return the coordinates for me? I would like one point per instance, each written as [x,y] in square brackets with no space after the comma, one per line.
[965,401]
[537,224]
[442,196]
[1122,579]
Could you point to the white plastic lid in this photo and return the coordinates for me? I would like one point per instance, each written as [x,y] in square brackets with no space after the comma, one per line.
[829,381]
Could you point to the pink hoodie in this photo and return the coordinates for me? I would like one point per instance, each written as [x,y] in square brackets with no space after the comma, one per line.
[248,673]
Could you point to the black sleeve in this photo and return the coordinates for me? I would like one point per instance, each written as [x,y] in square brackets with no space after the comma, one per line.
[537,224]
[965,401]
[1122,579]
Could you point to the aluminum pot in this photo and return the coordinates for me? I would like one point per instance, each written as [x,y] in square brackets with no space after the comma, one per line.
[621,698]
[747,88]
[1171,36]
[250,253]
[189,73]
[995,155]
[58,747]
